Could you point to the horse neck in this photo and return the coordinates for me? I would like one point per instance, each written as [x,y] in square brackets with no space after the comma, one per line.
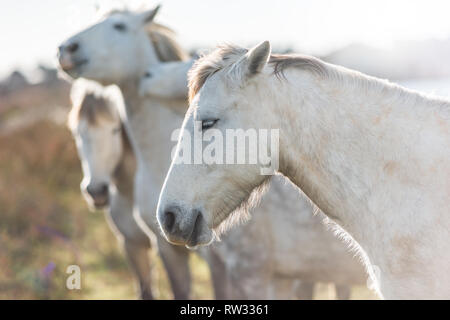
[339,136]
[150,123]
[123,177]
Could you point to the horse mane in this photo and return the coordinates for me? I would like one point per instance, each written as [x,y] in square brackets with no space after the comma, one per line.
[226,55]
[91,102]
[163,39]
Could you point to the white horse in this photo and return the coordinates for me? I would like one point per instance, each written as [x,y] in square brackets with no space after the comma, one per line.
[371,155]
[307,251]
[108,165]
[117,50]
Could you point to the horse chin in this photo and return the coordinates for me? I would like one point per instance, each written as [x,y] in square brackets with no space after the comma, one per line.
[76,71]
[98,207]
[72,73]
[98,203]
[240,213]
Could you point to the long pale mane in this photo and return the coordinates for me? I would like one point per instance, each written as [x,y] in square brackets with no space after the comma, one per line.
[226,55]
[167,48]
[92,102]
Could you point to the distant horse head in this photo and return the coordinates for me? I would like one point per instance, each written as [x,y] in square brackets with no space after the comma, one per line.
[117,48]
[166,80]
[96,127]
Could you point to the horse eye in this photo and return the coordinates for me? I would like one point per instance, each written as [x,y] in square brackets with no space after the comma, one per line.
[120,27]
[148,74]
[206,124]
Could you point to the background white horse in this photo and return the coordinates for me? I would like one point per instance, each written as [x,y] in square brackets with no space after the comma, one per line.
[372,155]
[108,165]
[117,50]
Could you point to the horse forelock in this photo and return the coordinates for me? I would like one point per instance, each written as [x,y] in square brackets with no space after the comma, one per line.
[166,46]
[211,63]
[226,55]
[92,105]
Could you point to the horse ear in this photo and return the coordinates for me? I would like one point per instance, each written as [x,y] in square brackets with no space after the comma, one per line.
[149,15]
[257,57]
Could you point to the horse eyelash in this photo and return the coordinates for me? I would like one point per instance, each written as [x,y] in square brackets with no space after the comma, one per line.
[212,121]
[120,27]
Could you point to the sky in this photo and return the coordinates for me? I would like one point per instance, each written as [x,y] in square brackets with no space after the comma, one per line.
[31,30]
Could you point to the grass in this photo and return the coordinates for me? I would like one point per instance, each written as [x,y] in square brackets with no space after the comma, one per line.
[45,226]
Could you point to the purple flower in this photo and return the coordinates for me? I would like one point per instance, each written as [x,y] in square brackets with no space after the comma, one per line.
[48,269]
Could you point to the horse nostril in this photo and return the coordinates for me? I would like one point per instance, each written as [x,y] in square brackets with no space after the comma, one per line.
[169,220]
[72,47]
[104,189]
[99,191]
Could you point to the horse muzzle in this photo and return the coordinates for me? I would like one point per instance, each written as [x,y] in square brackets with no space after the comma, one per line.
[181,227]
[99,196]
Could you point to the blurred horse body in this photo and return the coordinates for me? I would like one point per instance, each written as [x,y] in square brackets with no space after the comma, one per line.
[114,51]
[109,166]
